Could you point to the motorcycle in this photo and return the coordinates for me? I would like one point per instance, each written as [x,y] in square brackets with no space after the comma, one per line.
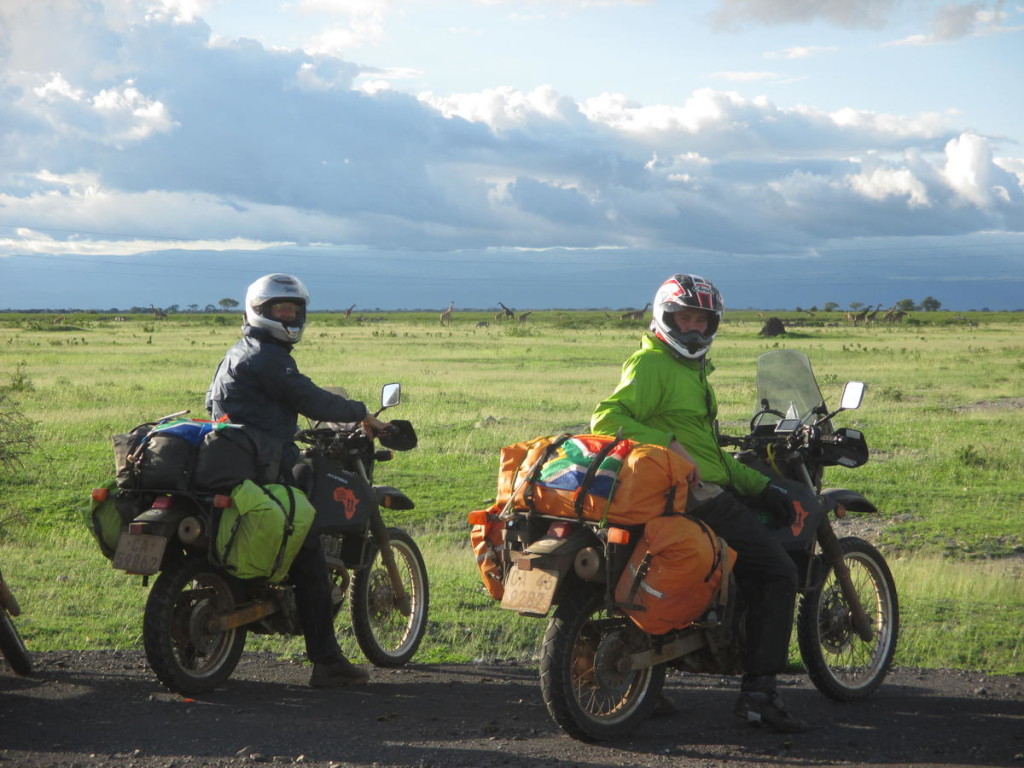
[601,676]
[11,644]
[198,614]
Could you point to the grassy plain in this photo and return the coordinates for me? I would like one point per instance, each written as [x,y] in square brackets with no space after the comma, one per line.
[943,416]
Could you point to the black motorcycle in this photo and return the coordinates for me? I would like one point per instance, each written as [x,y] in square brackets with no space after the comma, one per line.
[198,612]
[601,675]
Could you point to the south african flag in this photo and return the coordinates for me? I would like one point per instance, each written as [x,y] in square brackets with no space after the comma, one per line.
[568,466]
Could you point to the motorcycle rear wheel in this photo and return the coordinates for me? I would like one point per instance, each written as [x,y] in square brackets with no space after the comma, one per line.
[385,635]
[840,664]
[585,692]
[187,655]
[12,646]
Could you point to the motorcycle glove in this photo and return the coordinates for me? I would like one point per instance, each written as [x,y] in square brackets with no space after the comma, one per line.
[778,502]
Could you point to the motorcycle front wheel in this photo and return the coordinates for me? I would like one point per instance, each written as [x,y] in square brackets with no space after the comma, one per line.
[386,634]
[585,688]
[839,662]
[185,649]
[12,646]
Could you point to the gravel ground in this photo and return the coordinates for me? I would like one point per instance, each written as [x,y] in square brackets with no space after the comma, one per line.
[105,708]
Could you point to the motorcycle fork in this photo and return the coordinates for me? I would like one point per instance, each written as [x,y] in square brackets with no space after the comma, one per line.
[380,533]
[833,554]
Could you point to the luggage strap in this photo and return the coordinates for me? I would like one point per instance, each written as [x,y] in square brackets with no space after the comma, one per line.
[529,477]
[588,478]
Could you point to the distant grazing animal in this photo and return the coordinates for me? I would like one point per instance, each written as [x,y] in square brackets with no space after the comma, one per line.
[636,314]
[505,313]
[348,312]
[483,324]
[446,316]
[524,315]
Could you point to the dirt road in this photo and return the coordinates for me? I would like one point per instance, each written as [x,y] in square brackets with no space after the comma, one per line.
[106,709]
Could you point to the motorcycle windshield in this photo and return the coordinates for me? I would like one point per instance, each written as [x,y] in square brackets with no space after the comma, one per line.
[786,384]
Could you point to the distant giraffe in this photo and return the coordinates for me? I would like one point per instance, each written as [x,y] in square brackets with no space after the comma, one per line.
[348,312]
[446,316]
[872,314]
[636,314]
[524,315]
[887,317]
[506,313]
[58,320]
[158,313]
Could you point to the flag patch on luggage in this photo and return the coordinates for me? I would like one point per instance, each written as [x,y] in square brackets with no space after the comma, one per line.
[569,465]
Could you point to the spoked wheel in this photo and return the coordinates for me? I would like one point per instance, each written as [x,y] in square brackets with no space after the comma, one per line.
[12,646]
[185,648]
[389,633]
[588,687]
[841,664]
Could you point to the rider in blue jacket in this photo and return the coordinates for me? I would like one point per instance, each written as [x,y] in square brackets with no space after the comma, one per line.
[258,383]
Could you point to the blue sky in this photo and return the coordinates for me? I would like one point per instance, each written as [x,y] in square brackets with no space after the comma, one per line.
[566,153]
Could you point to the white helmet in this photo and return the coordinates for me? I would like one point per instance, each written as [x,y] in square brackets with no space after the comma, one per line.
[686,292]
[269,290]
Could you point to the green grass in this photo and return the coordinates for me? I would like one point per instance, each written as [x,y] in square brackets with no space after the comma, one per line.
[943,416]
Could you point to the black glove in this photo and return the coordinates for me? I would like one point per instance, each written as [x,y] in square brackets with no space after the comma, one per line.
[778,502]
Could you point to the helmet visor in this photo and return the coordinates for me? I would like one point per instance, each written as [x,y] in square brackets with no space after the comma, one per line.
[286,311]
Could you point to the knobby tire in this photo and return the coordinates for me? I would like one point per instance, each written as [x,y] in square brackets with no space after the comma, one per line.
[840,664]
[589,699]
[185,654]
[12,646]
[386,636]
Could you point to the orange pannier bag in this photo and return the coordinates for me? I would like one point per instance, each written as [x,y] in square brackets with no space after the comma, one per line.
[674,575]
[487,536]
[593,477]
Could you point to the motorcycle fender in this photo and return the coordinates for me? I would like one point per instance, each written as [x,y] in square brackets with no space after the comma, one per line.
[392,498]
[161,522]
[532,582]
[853,501]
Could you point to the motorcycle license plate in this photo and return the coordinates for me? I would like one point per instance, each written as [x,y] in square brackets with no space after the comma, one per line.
[529,591]
[139,553]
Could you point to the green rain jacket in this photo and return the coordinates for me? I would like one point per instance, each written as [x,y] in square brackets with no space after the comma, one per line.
[660,397]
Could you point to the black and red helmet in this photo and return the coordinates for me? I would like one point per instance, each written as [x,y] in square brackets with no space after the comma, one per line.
[686,292]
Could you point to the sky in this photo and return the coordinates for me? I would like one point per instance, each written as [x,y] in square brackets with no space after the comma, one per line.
[403,154]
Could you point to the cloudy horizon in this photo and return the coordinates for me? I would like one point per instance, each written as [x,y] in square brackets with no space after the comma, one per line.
[135,133]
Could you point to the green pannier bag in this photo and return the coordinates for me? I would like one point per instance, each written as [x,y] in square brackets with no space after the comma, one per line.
[259,535]
[108,518]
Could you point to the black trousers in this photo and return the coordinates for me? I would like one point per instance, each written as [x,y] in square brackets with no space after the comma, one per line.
[767,579]
[308,575]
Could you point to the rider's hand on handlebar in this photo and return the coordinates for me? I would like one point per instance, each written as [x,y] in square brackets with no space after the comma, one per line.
[374,426]
[676,447]
[776,499]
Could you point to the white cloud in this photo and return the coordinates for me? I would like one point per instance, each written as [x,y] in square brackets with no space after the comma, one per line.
[845,13]
[801,52]
[154,132]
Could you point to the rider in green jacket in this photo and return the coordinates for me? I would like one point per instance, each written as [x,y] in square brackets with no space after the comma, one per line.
[664,398]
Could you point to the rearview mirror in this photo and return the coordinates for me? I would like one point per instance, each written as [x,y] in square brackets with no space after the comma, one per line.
[390,395]
[853,394]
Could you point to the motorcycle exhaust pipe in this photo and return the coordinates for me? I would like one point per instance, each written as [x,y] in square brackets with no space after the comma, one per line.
[588,564]
[190,530]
